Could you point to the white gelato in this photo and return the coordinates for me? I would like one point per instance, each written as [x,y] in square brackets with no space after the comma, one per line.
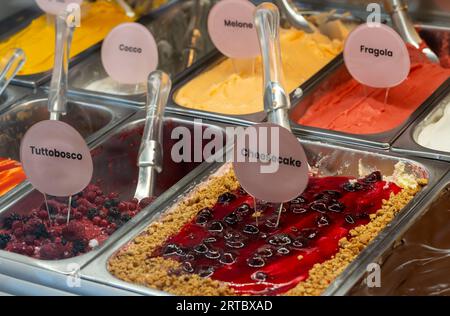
[108,85]
[435,134]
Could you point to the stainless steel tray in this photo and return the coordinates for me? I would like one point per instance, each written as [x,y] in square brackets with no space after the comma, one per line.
[330,159]
[11,95]
[170,28]
[91,119]
[376,253]
[407,142]
[115,157]
[337,74]
[215,57]
[21,279]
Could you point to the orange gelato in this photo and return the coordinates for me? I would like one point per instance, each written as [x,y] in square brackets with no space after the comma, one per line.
[11,174]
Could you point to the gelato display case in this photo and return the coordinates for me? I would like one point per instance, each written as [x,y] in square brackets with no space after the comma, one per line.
[167,213]
[105,206]
[181,34]
[184,209]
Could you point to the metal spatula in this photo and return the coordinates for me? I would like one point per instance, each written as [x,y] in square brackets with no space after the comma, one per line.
[150,159]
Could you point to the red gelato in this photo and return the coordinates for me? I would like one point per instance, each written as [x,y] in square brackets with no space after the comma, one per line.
[347,106]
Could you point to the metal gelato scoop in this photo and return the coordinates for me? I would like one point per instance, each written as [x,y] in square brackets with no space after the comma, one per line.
[57,95]
[403,24]
[276,100]
[294,16]
[150,159]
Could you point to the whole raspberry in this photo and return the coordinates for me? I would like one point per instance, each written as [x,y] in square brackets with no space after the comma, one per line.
[52,251]
[145,202]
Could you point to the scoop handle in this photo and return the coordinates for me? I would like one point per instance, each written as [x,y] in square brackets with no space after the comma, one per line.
[150,152]
[57,95]
[276,101]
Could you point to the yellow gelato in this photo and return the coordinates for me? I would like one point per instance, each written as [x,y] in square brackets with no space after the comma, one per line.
[230,89]
[38,39]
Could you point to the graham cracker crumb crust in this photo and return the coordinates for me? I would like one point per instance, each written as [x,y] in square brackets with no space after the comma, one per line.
[133,263]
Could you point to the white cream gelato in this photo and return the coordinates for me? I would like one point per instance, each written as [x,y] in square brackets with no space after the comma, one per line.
[108,85]
[435,134]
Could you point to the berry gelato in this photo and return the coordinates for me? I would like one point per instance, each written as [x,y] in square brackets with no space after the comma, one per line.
[94,216]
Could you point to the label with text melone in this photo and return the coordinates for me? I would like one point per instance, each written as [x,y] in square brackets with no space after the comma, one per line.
[55,7]
[270,163]
[56,159]
[130,53]
[232,30]
[376,56]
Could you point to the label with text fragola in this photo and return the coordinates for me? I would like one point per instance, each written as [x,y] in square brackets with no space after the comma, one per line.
[270,163]
[232,30]
[130,53]
[56,159]
[376,56]
[55,7]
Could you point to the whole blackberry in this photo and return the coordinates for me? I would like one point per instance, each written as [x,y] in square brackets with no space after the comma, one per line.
[78,246]
[92,212]
[4,240]
[125,218]
[10,219]
[41,231]
[114,212]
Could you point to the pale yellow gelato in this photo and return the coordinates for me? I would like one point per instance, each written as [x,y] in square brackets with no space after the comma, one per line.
[229,88]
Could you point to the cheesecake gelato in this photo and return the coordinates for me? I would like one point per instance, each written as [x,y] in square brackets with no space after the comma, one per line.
[214,241]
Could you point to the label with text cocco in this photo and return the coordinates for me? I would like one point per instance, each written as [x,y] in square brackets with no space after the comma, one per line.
[238,24]
[130,49]
[266,158]
[54,153]
[376,51]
